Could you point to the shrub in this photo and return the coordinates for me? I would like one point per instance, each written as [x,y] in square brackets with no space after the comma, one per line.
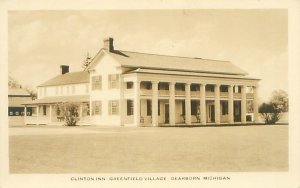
[70,113]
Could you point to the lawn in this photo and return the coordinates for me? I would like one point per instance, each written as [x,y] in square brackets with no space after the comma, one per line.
[110,150]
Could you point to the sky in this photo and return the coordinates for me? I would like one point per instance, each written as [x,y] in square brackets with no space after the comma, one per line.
[254,40]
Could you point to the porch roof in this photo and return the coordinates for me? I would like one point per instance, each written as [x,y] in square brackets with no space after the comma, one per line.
[59,99]
[182,73]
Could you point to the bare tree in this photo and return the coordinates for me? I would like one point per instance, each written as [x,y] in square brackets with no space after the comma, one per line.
[87,61]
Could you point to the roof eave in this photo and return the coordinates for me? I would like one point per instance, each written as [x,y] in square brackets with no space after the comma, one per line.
[182,70]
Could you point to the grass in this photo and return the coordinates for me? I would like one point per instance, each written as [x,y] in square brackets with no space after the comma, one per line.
[111,150]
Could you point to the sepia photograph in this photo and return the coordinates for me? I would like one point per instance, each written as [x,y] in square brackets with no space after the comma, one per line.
[101,94]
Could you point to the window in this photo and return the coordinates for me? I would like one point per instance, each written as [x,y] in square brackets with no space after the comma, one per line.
[56,90]
[61,90]
[44,110]
[114,107]
[236,89]
[40,92]
[57,110]
[195,87]
[45,91]
[87,88]
[97,106]
[183,107]
[113,80]
[68,89]
[223,88]
[149,107]
[163,86]
[86,109]
[224,107]
[17,113]
[194,107]
[129,107]
[96,82]
[210,88]
[129,85]
[73,89]
[158,107]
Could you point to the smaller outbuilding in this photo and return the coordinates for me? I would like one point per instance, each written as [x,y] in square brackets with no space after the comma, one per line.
[16,97]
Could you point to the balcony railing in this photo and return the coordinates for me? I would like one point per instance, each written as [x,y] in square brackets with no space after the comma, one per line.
[182,93]
[179,93]
[195,94]
[163,92]
[249,95]
[146,92]
[209,94]
[223,94]
[237,95]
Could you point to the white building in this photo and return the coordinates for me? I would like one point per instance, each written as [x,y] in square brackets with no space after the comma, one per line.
[125,88]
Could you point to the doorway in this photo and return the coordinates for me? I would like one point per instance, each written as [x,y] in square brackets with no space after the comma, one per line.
[167,116]
[211,113]
[237,111]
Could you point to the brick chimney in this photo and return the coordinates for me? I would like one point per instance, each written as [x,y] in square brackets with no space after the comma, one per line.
[64,69]
[108,44]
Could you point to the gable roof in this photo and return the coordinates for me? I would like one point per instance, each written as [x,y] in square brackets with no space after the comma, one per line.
[165,62]
[68,78]
[18,92]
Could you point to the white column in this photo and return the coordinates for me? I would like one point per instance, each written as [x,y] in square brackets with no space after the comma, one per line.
[37,114]
[50,113]
[202,104]
[255,103]
[172,103]
[25,114]
[154,103]
[188,104]
[137,112]
[243,104]
[230,104]
[217,104]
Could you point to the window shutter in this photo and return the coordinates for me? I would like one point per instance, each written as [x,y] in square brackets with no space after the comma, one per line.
[100,107]
[109,107]
[93,108]
[117,81]
[128,107]
[117,106]
[109,81]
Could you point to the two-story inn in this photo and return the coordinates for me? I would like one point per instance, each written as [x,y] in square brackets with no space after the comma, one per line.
[126,88]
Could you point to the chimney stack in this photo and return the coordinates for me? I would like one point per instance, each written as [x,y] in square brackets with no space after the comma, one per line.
[64,69]
[108,44]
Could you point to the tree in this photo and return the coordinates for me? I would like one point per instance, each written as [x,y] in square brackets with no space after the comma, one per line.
[87,61]
[32,92]
[13,83]
[69,112]
[271,112]
[280,100]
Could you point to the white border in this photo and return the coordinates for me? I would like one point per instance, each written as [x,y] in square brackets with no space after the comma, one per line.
[253,179]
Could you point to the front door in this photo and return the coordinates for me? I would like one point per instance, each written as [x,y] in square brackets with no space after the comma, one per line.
[167,119]
[211,113]
[237,111]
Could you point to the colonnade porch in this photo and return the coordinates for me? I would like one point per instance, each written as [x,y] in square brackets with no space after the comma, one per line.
[47,114]
[172,103]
